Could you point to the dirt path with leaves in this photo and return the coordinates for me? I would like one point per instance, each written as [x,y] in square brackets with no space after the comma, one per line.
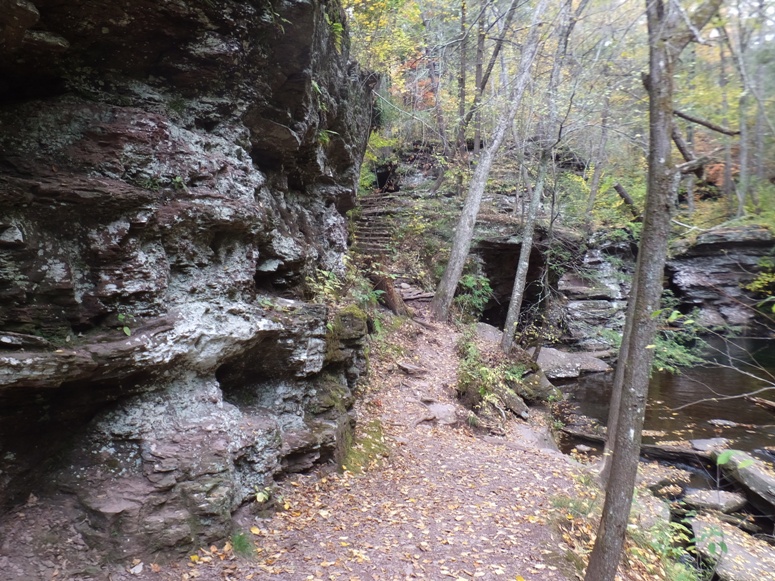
[443,503]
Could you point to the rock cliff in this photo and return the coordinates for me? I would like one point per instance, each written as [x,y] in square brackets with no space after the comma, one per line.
[170,172]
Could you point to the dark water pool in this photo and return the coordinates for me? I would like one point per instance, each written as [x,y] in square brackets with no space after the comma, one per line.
[732,370]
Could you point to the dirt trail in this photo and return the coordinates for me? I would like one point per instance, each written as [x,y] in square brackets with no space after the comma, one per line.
[445,503]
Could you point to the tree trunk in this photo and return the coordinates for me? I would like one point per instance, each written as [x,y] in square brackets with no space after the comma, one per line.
[441,125]
[627,199]
[597,171]
[480,37]
[464,231]
[665,44]
[551,136]
[390,297]
[723,82]
[520,279]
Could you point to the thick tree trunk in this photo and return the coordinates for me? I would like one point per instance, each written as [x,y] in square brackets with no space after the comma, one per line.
[665,44]
[464,231]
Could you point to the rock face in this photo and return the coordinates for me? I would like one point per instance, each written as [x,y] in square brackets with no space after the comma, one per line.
[168,171]
[710,274]
[595,295]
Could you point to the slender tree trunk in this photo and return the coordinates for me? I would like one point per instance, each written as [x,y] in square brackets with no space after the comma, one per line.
[480,37]
[691,178]
[441,125]
[460,139]
[597,171]
[759,127]
[668,35]
[461,79]
[520,279]
[723,82]
[464,231]
[744,179]
[550,139]
[759,81]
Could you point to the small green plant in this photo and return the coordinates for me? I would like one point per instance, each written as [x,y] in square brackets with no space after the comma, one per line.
[319,96]
[125,319]
[337,31]
[324,136]
[242,545]
[763,284]
[474,292]
[324,286]
[150,183]
[178,183]
[265,303]
[177,105]
[726,456]
[273,17]
[263,495]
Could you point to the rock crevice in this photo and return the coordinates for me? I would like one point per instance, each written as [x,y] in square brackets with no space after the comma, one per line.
[168,173]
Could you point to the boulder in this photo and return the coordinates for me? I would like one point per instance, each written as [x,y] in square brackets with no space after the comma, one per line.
[648,511]
[561,364]
[736,555]
[719,500]
[755,476]
[709,444]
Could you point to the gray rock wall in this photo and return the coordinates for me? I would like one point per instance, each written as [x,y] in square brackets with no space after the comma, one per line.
[169,174]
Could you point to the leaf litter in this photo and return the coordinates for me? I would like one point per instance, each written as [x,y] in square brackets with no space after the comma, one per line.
[433,502]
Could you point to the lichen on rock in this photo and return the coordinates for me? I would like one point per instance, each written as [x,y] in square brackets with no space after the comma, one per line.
[160,172]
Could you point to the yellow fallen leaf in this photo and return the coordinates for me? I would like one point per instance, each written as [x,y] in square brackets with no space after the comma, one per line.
[255,530]
[194,558]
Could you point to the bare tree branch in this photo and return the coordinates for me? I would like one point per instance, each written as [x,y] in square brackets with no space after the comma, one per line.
[705,123]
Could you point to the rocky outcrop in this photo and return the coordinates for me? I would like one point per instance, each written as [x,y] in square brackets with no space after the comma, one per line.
[560,364]
[168,170]
[595,294]
[735,555]
[710,273]
[754,476]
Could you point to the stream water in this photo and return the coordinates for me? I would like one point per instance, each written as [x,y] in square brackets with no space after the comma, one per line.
[730,372]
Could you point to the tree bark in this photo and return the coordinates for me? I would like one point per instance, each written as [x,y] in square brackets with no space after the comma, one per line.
[727,185]
[551,137]
[627,199]
[479,73]
[464,231]
[520,279]
[666,41]
[597,171]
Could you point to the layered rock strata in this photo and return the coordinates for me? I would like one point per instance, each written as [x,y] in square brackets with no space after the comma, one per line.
[170,173]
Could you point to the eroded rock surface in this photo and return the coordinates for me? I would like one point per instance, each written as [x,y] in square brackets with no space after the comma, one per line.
[168,172]
[710,273]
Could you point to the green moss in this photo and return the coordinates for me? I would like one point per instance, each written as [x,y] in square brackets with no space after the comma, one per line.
[365,449]
[331,394]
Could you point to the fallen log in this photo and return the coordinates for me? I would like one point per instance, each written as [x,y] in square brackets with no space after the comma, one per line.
[664,453]
[761,402]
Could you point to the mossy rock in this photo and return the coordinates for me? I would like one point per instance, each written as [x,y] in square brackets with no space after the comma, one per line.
[332,394]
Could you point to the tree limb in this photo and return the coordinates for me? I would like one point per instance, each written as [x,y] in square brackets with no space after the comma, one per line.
[704,123]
